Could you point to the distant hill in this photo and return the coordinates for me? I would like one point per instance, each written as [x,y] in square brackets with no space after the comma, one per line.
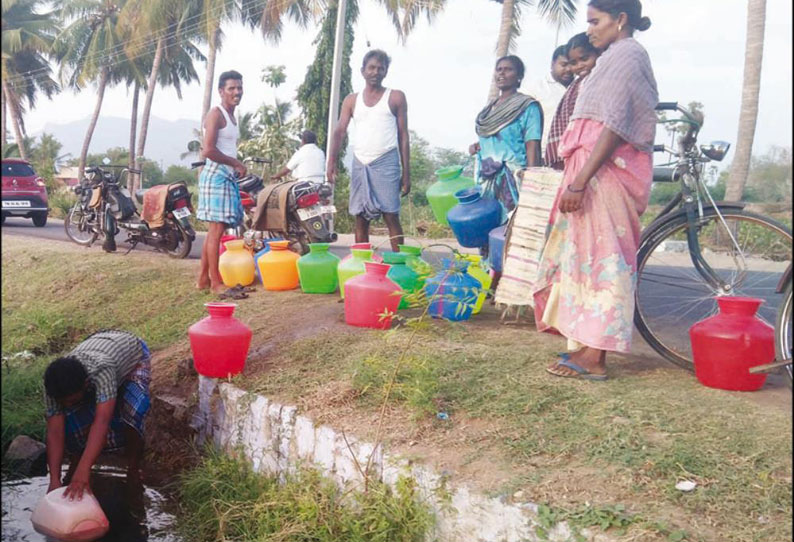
[165,140]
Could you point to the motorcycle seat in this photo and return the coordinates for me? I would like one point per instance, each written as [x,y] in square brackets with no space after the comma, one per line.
[139,195]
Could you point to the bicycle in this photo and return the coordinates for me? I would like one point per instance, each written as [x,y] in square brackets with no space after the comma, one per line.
[697,249]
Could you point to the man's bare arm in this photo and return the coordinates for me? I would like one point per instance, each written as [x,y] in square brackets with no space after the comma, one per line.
[97,436]
[403,139]
[56,437]
[338,135]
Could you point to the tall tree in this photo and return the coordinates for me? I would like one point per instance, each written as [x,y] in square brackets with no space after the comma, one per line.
[90,49]
[557,12]
[27,37]
[213,14]
[314,93]
[165,22]
[751,87]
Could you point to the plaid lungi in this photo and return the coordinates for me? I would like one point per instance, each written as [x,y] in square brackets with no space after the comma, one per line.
[132,404]
[219,197]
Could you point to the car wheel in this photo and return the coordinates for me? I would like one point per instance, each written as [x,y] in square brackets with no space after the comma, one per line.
[40,219]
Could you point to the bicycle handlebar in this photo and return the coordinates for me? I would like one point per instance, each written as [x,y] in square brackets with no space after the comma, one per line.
[667,106]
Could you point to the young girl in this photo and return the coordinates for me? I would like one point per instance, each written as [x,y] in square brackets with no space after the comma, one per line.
[581,59]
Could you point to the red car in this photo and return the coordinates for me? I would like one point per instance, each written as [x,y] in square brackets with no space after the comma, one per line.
[24,192]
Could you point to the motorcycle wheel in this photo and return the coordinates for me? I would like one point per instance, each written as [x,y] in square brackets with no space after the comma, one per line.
[183,245]
[77,227]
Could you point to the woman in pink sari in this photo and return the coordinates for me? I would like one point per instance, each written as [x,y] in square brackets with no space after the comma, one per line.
[587,275]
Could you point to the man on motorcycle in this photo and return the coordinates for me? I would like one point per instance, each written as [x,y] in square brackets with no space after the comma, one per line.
[219,197]
[308,162]
[97,397]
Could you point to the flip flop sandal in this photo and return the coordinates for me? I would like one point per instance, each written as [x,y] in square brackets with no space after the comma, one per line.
[581,372]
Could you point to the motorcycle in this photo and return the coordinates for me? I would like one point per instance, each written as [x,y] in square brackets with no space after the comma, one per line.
[104,207]
[309,220]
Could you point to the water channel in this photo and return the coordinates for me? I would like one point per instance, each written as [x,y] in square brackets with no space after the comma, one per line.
[135,516]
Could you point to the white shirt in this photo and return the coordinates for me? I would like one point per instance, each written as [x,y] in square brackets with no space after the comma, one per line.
[308,163]
[375,128]
[227,136]
[549,93]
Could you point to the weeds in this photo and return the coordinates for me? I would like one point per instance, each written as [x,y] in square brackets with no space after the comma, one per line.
[223,499]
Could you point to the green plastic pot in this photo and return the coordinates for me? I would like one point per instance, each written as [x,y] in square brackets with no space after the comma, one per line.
[441,194]
[405,277]
[317,270]
[351,267]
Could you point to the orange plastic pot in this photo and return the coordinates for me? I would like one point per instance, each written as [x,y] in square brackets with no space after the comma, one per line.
[279,267]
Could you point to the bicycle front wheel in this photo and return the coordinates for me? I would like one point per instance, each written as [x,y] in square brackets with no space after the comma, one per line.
[671,293]
[783,331]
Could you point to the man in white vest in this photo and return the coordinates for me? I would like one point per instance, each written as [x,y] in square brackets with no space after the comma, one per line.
[381,150]
[219,197]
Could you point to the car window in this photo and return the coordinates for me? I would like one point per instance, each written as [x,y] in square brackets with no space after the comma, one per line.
[15,169]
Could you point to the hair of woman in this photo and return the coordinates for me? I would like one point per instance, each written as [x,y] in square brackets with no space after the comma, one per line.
[632,9]
[580,41]
[518,65]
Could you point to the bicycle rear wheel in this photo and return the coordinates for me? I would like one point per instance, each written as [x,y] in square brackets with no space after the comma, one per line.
[672,295]
[783,331]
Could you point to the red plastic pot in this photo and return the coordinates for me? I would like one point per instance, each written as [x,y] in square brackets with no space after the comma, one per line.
[219,342]
[725,346]
[369,295]
[224,238]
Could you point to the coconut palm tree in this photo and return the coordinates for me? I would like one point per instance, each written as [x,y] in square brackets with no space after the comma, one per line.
[90,50]
[751,86]
[560,13]
[166,26]
[27,36]
[213,14]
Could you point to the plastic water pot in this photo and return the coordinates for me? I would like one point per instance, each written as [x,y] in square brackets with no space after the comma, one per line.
[474,217]
[363,246]
[219,342]
[351,267]
[496,248]
[725,346]
[264,250]
[278,267]
[236,264]
[441,194]
[402,275]
[69,521]
[317,270]
[222,245]
[476,270]
[371,295]
[416,262]
[452,292]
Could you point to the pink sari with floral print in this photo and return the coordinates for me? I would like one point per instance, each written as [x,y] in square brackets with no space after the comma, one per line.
[587,273]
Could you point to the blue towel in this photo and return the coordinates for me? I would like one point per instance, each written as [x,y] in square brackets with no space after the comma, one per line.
[375,187]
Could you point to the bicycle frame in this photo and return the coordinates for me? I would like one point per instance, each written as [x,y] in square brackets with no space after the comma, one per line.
[689,201]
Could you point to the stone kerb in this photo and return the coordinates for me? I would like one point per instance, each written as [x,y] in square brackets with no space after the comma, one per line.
[276,440]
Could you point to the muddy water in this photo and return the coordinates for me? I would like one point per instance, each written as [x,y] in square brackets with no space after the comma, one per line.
[135,515]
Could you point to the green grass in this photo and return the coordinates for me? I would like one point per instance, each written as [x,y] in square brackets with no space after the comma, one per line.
[53,298]
[223,499]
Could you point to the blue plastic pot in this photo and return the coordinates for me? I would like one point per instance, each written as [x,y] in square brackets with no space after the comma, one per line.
[455,292]
[474,217]
[496,247]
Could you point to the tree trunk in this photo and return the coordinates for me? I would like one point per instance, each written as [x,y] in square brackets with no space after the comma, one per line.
[16,121]
[100,93]
[133,129]
[147,108]
[751,86]
[503,42]
[209,77]
[5,119]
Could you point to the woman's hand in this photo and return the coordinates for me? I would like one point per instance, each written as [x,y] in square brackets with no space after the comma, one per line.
[474,148]
[573,196]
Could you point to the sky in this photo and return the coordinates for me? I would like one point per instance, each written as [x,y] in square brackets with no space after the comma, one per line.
[445,67]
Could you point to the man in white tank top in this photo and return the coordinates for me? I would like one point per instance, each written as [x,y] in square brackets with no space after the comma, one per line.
[219,197]
[381,150]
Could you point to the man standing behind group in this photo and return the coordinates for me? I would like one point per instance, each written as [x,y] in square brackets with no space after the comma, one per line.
[219,197]
[549,90]
[380,147]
